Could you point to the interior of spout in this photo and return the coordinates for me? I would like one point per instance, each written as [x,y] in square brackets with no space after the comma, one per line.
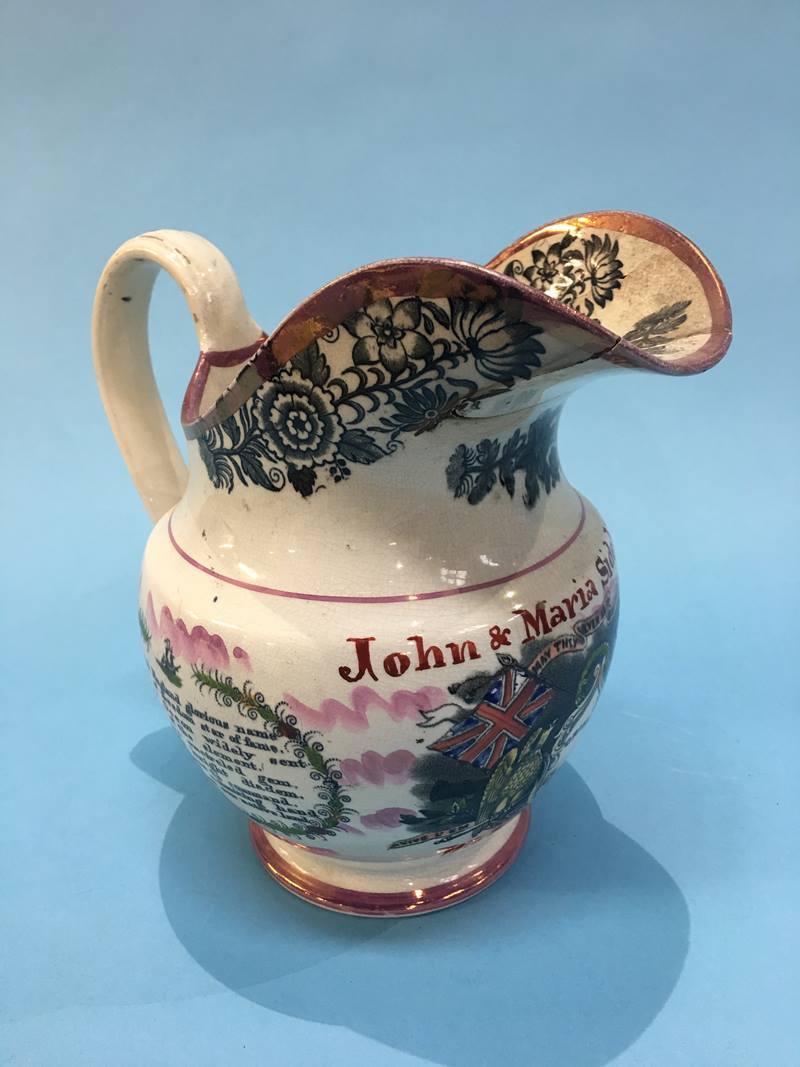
[639,278]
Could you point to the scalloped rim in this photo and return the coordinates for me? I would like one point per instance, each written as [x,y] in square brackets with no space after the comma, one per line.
[434,277]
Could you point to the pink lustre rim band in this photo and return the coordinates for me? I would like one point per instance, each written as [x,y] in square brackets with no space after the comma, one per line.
[408,902]
[190,411]
[400,598]
[435,277]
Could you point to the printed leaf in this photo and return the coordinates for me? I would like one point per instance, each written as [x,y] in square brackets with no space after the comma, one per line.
[303,479]
[218,467]
[482,487]
[652,332]
[231,428]
[253,471]
[312,364]
[438,313]
[507,478]
[358,447]
[532,489]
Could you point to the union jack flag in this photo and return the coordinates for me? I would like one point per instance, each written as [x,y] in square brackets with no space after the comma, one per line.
[501,721]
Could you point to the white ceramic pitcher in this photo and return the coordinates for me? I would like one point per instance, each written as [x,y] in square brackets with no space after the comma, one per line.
[374,609]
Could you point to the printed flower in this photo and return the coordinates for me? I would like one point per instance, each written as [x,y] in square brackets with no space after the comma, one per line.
[552,271]
[603,268]
[574,275]
[503,348]
[389,335]
[459,470]
[421,409]
[299,420]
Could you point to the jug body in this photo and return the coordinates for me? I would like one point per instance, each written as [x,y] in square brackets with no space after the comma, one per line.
[383,711]
[375,610]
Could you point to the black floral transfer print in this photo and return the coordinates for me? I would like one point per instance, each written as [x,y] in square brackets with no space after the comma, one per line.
[299,420]
[583,274]
[389,334]
[473,471]
[413,364]
[502,350]
[603,268]
[421,409]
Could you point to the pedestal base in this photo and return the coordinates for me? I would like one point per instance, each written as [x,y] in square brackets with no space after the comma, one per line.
[402,887]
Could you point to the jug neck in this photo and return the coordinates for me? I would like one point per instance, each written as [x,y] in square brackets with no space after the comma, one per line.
[460,504]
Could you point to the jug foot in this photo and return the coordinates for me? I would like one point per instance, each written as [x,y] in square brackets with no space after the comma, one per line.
[392,888]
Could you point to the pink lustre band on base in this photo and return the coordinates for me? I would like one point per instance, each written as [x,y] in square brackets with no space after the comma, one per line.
[407,902]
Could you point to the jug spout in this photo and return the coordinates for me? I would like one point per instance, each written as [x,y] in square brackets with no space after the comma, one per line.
[644,282]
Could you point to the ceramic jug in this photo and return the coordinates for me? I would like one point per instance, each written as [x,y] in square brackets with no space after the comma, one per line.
[375,610]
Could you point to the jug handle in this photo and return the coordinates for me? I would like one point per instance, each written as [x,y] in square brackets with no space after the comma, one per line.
[122,354]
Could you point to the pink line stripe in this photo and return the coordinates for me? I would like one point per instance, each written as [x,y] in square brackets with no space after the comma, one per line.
[396,599]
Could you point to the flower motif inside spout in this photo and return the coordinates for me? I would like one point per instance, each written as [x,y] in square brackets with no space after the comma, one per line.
[582,274]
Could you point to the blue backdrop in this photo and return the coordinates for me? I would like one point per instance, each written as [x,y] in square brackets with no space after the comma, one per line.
[651,918]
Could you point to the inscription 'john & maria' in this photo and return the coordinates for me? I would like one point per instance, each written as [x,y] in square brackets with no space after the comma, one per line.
[538,623]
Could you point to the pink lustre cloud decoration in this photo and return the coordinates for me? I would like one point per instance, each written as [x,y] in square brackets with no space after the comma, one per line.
[197,645]
[353,716]
[375,769]
[385,818]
